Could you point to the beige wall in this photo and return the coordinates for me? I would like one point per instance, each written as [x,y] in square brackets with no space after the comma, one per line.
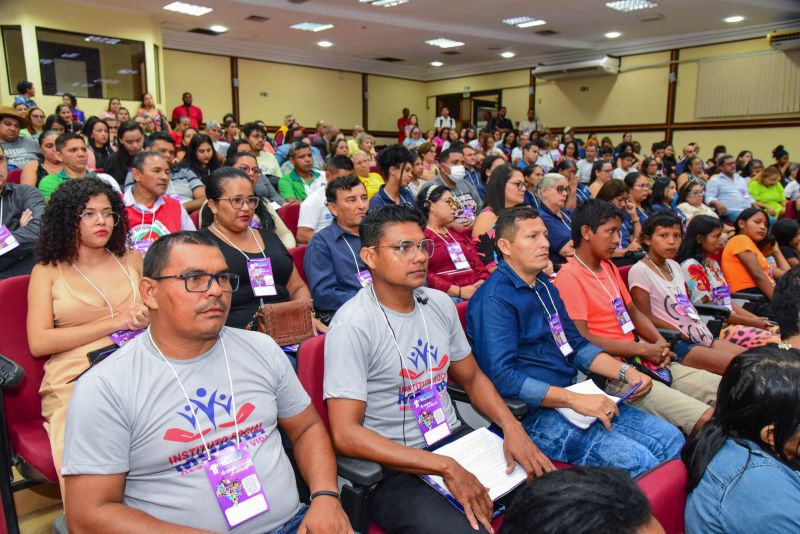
[77,18]
[311,94]
[760,141]
[188,71]
[388,97]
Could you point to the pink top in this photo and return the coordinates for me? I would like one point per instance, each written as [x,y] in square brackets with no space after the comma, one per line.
[441,262]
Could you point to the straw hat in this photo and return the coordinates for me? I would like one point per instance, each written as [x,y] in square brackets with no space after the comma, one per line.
[6,111]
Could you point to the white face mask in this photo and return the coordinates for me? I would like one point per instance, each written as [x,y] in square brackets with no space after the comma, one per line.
[457,173]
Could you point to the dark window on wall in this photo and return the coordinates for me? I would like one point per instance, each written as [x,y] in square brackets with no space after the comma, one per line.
[89,65]
[14,56]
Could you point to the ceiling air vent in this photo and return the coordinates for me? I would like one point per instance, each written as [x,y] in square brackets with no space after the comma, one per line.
[204,31]
[257,18]
[389,59]
[546,33]
[451,53]
[653,18]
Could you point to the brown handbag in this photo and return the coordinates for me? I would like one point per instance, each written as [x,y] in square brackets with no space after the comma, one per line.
[288,323]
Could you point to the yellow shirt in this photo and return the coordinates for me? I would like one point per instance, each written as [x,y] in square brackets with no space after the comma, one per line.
[373,183]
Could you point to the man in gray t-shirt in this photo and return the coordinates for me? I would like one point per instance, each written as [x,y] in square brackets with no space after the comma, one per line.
[388,352]
[18,150]
[142,424]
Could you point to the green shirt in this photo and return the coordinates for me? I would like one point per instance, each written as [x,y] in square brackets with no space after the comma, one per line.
[293,186]
[51,182]
[772,196]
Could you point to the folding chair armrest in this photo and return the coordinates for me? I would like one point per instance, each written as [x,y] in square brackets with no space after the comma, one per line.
[752,297]
[718,312]
[518,408]
[359,472]
[11,373]
[671,336]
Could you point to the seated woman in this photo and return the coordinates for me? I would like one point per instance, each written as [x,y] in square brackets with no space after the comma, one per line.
[659,291]
[233,202]
[532,174]
[51,163]
[767,192]
[640,191]
[744,265]
[427,152]
[694,172]
[416,182]
[664,193]
[371,180]
[690,201]
[506,189]
[787,236]
[84,293]
[743,464]
[599,176]
[454,267]
[707,285]
[553,190]
[629,249]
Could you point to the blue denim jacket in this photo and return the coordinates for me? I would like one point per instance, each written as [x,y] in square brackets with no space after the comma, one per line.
[744,492]
[512,341]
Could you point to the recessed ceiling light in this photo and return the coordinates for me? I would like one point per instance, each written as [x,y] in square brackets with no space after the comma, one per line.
[508,55]
[524,22]
[384,3]
[442,42]
[630,5]
[98,39]
[188,9]
[218,28]
[612,35]
[436,63]
[325,44]
[734,19]
[311,26]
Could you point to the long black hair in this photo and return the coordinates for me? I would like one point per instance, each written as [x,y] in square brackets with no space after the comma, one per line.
[60,230]
[760,388]
[698,229]
[192,163]
[659,194]
[746,215]
[496,188]
[784,231]
[429,194]
[215,182]
[596,167]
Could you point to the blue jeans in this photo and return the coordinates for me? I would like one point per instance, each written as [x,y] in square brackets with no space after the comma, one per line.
[291,526]
[636,443]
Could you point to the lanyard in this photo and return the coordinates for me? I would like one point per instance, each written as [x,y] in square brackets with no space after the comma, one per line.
[1,208]
[544,307]
[186,395]
[351,252]
[111,308]
[445,241]
[669,283]
[602,267]
[565,216]
[246,257]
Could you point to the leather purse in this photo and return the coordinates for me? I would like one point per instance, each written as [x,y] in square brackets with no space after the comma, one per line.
[288,323]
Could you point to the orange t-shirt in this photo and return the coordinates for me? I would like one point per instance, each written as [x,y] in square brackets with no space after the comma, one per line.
[586,299]
[735,273]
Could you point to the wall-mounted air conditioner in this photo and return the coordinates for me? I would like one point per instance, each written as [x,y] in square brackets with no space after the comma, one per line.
[581,69]
[785,40]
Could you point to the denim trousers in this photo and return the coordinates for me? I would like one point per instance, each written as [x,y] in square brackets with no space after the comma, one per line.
[637,441]
[292,525]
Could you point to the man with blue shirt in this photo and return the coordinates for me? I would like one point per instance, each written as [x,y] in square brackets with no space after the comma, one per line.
[727,191]
[314,212]
[530,349]
[334,270]
[26,92]
[395,163]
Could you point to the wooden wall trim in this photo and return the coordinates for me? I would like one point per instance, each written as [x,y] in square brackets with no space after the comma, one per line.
[532,94]
[672,87]
[365,101]
[235,87]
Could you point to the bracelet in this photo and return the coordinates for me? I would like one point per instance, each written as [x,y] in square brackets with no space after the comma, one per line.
[623,371]
[324,493]
[634,221]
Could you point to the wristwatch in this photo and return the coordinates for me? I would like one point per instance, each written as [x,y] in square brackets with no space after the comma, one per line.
[623,371]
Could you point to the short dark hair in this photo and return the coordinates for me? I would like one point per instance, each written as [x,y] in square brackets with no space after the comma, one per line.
[610,502]
[341,163]
[23,86]
[157,256]
[663,219]
[341,183]
[73,101]
[375,222]
[298,146]
[445,155]
[251,127]
[141,158]
[157,136]
[128,126]
[785,230]
[660,145]
[593,214]
[507,219]
[393,156]
[785,305]
[62,139]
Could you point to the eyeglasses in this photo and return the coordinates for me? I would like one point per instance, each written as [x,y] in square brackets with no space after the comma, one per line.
[561,189]
[643,186]
[520,185]
[695,193]
[238,202]
[408,248]
[255,171]
[201,282]
[453,203]
[90,216]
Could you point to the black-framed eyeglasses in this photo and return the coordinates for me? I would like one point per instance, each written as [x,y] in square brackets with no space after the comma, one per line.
[255,171]
[201,282]
[238,202]
[519,185]
[408,248]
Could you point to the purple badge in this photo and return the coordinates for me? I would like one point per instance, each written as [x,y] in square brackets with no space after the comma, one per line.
[685,305]
[261,280]
[722,296]
[457,256]
[557,329]
[364,278]
[120,337]
[430,416]
[142,246]
[235,483]
[7,240]
[255,223]
[623,318]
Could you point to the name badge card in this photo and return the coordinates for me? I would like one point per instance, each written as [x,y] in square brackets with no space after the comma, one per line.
[142,246]
[468,214]
[685,304]
[430,416]
[623,318]
[7,240]
[457,256]
[175,197]
[255,223]
[722,296]
[261,280]
[557,329]
[364,278]
[120,337]
[235,483]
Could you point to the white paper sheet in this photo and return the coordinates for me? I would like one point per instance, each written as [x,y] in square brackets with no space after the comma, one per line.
[587,387]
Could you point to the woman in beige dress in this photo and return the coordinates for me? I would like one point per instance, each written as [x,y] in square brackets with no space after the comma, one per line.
[84,293]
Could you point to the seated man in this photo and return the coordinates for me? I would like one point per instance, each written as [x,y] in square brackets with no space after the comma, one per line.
[18,150]
[304,179]
[149,465]
[334,271]
[391,347]
[21,210]
[151,213]
[527,345]
[72,149]
[603,311]
[452,174]
[314,212]
[395,163]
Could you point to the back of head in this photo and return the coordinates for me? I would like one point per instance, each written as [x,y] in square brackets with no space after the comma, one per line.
[785,231]
[760,389]
[785,305]
[594,214]
[340,163]
[154,137]
[579,500]
[376,221]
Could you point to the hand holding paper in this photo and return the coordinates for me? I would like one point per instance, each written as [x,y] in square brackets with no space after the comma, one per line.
[518,448]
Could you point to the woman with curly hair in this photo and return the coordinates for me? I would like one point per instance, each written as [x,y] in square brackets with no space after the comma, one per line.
[83,294]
